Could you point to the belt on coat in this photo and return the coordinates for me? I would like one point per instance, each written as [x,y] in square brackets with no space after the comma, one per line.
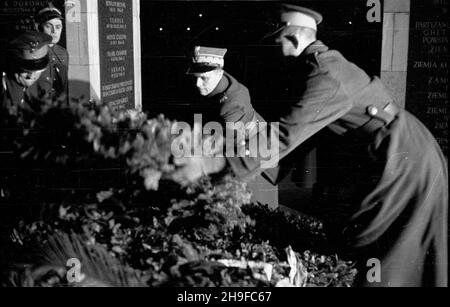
[380,117]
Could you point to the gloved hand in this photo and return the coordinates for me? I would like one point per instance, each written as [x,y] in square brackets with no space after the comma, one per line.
[192,167]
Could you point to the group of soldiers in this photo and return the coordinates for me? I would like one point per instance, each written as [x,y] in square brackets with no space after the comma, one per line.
[391,175]
[383,177]
[35,66]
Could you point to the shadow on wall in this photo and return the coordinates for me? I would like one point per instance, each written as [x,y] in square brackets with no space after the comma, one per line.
[80,90]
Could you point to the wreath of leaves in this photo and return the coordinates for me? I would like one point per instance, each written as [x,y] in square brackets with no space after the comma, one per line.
[138,228]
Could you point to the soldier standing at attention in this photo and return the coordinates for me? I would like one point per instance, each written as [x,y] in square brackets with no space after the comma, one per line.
[54,82]
[385,177]
[227,101]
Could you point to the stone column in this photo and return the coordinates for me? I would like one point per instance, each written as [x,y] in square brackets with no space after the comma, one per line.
[103,41]
[394,62]
[82,45]
[137,55]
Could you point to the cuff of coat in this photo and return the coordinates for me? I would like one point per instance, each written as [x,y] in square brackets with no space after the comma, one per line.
[244,168]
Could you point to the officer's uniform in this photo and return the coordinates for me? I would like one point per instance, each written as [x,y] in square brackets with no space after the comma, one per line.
[29,51]
[11,92]
[383,179]
[232,99]
[230,102]
[54,82]
[55,79]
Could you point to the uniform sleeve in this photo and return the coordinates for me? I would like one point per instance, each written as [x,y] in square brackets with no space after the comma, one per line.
[238,108]
[65,72]
[322,103]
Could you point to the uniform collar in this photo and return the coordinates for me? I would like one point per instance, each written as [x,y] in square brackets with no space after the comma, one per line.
[316,47]
[221,87]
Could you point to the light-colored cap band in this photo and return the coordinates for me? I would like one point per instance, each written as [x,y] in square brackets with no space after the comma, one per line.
[210,60]
[209,56]
[299,19]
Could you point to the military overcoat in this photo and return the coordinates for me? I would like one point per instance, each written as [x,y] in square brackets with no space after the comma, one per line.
[382,178]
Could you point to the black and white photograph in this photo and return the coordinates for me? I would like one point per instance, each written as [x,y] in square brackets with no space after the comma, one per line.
[224,149]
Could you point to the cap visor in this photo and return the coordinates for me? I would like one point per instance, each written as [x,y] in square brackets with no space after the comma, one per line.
[32,65]
[272,34]
[200,69]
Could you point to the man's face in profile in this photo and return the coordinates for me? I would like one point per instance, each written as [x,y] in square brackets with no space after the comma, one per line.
[206,82]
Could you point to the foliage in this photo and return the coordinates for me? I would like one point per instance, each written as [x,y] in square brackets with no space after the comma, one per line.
[137,228]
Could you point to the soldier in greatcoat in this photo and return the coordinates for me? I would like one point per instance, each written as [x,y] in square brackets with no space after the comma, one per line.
[383,180]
